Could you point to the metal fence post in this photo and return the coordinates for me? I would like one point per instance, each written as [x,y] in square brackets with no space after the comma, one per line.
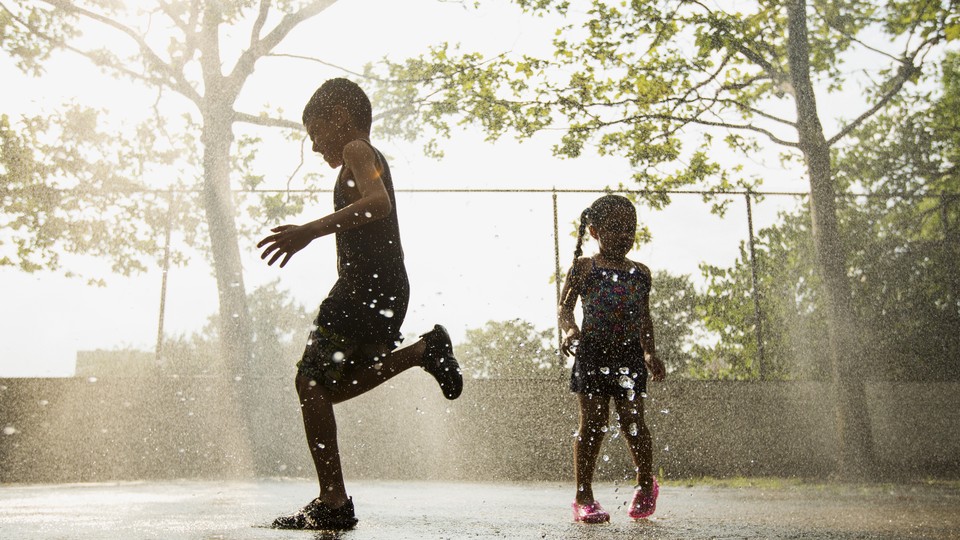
[757,312]
[556,266]
[163,278]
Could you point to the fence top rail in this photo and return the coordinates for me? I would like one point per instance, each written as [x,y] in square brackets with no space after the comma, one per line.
[732,192]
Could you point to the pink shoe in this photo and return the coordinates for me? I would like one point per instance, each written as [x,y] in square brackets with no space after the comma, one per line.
[590,513]
[643,503]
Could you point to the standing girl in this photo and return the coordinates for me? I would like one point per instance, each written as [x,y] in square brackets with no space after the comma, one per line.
[614,351]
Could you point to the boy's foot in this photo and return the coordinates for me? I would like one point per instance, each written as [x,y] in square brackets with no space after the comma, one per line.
[590,513]
[438,360]
[318,516]
[644,501]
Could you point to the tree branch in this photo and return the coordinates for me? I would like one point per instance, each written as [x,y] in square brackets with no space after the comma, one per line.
[853,38]
[752,110]
[152,58]
[244,66]
[262,120]
[906,70]
[261,20]
[775,73]
[328,64]
[740,127]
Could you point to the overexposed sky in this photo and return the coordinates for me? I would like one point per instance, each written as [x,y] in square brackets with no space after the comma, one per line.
[471,257]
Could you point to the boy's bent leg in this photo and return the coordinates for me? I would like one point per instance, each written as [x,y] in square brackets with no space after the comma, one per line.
[361,379]
[433,352]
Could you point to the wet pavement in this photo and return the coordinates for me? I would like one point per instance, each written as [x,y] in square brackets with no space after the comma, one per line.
[210,510]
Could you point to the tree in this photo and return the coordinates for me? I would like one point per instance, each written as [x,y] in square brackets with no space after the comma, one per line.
[192,68]
[631,77]
[674,304]
[509,349]
[901,235]
[793,321]
[279,327]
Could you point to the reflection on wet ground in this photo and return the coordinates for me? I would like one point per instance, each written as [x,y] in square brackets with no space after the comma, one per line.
[210,510]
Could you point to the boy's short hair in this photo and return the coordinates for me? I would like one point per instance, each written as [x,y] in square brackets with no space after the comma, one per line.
[343,92]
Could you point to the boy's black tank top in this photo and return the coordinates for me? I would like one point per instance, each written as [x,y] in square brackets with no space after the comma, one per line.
[374,248]
[369,301]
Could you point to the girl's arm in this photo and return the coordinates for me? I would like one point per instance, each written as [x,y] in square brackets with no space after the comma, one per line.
[572,286]
[373,204]
[650,358]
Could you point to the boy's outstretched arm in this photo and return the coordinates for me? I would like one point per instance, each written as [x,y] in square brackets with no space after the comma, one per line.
[373,204]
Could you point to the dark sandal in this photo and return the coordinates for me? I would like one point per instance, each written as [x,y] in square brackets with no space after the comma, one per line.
[440,362]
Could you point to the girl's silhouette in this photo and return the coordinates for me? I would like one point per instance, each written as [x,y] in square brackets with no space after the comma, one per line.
[614,351]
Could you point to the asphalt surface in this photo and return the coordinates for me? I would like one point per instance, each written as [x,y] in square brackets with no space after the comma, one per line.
[211,510]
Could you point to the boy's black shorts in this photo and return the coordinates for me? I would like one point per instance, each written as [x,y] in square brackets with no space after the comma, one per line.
[329,357]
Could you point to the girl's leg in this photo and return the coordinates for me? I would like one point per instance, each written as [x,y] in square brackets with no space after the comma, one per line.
[320,425]
[638,438]
[594,412]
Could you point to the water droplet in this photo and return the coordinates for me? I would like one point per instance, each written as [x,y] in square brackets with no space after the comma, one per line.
[351,183]
[354,382]
[312,382]
[605,370]
[665,411]
[44,403]
[238,378]
[375,276]
[666,448]
[632,429]
[624,370]
[615,277]
[92,379]
[9,430]
[338,356]
[631,394]
[388,313]
[626,382]
[606,457]
[367,215]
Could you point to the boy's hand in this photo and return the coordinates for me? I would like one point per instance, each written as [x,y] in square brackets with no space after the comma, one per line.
[570,341]
[655,367]
[287,240]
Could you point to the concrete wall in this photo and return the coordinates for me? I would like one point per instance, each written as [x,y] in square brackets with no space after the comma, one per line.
[70,430]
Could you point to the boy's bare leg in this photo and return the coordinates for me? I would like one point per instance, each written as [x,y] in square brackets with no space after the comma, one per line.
[320,426]
[594,412]
[319,422]
[638,438]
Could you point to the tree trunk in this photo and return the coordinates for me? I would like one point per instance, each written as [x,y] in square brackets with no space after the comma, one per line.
[853,423]
[235,339]
[217,137]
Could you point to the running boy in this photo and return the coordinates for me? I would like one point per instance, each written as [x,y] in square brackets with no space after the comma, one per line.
[353,347]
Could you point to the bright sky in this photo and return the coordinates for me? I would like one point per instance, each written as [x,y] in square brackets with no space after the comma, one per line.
[471,257]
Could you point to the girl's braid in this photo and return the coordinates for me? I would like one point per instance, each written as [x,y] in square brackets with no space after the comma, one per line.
[584,221]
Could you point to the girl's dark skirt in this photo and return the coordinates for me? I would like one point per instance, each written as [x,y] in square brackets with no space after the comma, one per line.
[609,368]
